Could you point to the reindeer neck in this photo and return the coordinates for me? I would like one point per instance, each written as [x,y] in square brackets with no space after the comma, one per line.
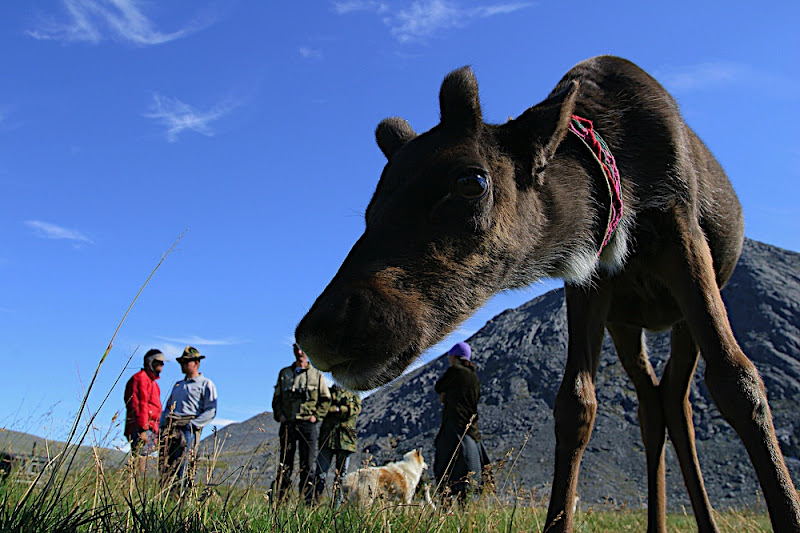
[584,129]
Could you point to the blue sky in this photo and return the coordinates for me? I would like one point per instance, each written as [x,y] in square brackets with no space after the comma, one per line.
[249,125]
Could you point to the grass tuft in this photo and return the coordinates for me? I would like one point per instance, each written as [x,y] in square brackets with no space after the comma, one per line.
[76,494]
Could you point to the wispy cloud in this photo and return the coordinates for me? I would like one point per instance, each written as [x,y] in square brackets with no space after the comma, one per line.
[425,18]
[343,8]
[94,21]
[171,351]
[222,422]
[6,123]
[178,117]
[310,53]
[715,74]
[172,347]
[47,230]
[703,76]
[194,340]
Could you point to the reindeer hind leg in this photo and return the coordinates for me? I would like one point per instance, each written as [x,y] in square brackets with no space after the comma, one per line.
[731,377]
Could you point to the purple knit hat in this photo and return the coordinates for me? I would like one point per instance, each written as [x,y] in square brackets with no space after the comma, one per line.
[462,350]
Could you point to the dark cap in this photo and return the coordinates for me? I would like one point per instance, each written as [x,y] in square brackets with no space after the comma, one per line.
[190,353]
[154,355]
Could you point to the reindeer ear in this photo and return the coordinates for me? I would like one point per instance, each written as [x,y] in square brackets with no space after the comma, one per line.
[458,100]
[557,113]
[536,134]
[392,134]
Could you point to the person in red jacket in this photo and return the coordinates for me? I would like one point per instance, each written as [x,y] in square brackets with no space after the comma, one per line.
[143,405]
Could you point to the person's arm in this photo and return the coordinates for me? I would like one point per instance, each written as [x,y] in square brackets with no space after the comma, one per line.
[155,397]
[443,382]
[277,410]
[140,405]
[209,405]
[353,406]
[323,398]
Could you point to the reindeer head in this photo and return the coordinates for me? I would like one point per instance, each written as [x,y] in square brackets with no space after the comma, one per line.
[445,230]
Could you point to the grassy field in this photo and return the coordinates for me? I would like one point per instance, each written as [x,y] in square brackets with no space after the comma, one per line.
[95,499]
[82,489]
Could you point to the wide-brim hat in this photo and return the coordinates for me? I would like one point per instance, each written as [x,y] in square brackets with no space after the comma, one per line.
[190,353]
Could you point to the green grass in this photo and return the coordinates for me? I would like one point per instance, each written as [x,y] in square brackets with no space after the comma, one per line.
[82,491]
[96,499]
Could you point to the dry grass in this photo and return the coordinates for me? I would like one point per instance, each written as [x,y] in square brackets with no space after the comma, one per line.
[99,496]
[103,499]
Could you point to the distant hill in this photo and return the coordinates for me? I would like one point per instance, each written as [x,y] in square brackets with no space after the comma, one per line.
[19,442]
[25,444]
[244,453]
[520,356]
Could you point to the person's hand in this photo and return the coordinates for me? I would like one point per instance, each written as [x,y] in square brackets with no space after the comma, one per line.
[313,419]
[143,436]
[283,419]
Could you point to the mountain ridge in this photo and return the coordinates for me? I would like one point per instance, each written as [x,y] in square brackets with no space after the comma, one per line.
[520,355]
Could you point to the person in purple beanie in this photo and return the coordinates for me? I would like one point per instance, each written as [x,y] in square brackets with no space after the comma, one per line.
[460,455]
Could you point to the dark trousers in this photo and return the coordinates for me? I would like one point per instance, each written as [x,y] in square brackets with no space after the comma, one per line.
[324,460]
[458,464]
[303,437]
[178,455]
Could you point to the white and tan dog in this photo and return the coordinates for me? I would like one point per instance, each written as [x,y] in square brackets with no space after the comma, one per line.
[394,481]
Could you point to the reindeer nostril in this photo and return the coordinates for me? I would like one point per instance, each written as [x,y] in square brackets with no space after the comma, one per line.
[356,307]
[360,315]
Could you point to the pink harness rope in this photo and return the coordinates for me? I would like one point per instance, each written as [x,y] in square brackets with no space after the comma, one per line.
[584,129]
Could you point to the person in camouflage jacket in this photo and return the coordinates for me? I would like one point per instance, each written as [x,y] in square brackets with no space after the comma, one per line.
[337,438]
[300,402]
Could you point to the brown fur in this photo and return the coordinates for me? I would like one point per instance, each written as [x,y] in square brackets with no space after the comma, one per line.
[434,251]
[392,482]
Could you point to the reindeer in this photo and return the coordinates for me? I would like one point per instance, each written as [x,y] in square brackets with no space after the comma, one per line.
[603,185]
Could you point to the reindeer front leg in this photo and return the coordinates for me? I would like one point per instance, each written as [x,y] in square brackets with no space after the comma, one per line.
[576,404]
[633,355]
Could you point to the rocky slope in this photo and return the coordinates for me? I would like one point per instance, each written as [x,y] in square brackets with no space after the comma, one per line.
[520,356]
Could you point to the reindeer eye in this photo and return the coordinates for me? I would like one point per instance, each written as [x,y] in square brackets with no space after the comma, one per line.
[472,186]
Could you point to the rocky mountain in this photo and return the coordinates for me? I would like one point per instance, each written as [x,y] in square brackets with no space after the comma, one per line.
[520,355]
